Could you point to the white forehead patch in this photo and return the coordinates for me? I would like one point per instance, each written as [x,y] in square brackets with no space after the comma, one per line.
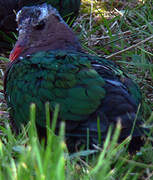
[43,8]
[44,11]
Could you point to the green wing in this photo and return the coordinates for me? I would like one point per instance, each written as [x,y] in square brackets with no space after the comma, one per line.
[55,77]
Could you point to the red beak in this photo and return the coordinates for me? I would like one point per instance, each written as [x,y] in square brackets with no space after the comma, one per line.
[16,52]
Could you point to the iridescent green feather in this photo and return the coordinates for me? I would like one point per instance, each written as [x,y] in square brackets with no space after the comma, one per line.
[57,77]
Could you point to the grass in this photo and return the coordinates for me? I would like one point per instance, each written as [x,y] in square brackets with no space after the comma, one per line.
[118,31]
[23,157]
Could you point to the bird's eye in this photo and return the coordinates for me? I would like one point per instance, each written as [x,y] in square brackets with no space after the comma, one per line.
[40,25]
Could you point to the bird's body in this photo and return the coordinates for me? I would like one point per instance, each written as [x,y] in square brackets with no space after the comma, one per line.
[86,87]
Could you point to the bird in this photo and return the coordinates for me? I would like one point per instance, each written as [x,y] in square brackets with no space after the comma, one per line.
[68,9]
[48,64]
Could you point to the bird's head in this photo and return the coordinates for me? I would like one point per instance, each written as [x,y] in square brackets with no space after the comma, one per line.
[35,17]
[41,28]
